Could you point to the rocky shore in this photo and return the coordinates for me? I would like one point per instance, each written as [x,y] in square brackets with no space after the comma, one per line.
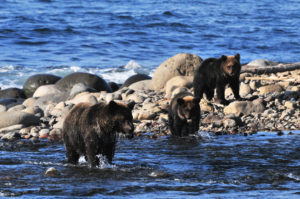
[271,100]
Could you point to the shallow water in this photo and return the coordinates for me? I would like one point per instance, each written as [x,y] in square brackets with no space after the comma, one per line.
[262,165]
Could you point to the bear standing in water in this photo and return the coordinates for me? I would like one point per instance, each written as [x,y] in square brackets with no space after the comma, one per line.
[184,114]
[217,73]
[90,130]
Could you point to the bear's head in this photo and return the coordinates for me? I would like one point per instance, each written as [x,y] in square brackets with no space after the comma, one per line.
[231,65]
[122,117]
[186,107]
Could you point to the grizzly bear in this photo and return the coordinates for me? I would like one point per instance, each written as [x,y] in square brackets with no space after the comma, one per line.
[90,130]
[217,73]
[184,114]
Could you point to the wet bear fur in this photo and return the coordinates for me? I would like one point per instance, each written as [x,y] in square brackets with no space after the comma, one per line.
[184,114]
[217,73]
[90,130]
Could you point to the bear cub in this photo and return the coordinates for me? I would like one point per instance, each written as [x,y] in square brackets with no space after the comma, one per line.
[217,73]
[184,114]
[90,130]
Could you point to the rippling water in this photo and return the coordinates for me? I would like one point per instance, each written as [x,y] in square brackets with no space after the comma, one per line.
[60,37]
[263,165]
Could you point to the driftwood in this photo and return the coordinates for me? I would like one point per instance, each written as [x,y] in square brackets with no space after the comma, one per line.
[287,79]
[270,69]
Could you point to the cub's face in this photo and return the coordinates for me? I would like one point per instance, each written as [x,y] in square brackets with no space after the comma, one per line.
[186,107]
[231,65]
[122,118]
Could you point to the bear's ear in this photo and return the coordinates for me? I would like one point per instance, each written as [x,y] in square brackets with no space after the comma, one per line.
[131,104]
[112,105]
[180,101]
[237,56]
[196,100]
[224,57]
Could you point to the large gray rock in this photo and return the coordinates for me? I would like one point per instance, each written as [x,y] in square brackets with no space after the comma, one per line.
[178,81]
[135,78]
[262,63]
[182,64]
[35,81]
[89,80]
[17,117]
[44,90]
[245,107]
[141,85]
[12,93]
[272,88]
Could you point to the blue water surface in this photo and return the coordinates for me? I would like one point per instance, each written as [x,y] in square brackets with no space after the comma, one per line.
[90,33]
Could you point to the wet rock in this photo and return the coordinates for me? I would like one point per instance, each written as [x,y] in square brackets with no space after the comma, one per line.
[179,65]
[12,93]
[89,80]
[35,81]
[114,86]
[52,172]
[80,88]
[17,117]
[11,136]
[135,78]
[44,133]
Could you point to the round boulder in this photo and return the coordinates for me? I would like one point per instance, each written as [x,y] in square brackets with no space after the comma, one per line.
[12,93]
[135,78]
[17,117]
[35,81]
[89,80]
[182,64]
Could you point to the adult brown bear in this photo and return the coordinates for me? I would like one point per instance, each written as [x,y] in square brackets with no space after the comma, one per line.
[217,73]
[90,130]
[184,114]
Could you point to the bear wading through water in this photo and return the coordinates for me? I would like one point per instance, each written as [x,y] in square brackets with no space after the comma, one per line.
[184,114]
[217,73]
[90,130]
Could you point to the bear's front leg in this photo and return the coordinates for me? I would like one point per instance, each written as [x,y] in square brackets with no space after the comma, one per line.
[235,87]
[221,94]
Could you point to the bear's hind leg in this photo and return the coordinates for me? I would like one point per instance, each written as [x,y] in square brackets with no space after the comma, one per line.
[72,156]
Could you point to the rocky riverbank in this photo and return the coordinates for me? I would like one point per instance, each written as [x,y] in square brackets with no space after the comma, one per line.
[271,102]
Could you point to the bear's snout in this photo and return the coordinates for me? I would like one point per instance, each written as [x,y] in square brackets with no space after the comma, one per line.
[128,129]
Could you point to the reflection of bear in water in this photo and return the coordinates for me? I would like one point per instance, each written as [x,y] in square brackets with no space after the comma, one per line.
[217,73]
[184,114]
[90,130]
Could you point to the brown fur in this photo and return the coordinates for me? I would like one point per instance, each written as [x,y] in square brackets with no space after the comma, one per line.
[90,130]
[184,114]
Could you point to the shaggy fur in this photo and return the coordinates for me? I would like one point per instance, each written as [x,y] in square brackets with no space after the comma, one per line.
[217,73]
[184,114]
[90,130]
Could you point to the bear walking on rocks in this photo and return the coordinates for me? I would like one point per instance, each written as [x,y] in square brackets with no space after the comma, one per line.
[217,73]
[184,114]
[90,130]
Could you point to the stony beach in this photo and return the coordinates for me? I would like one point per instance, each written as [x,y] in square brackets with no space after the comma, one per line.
[270,92]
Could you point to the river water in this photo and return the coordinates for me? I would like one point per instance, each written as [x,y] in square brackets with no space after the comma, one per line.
[64,36]
[262,165]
